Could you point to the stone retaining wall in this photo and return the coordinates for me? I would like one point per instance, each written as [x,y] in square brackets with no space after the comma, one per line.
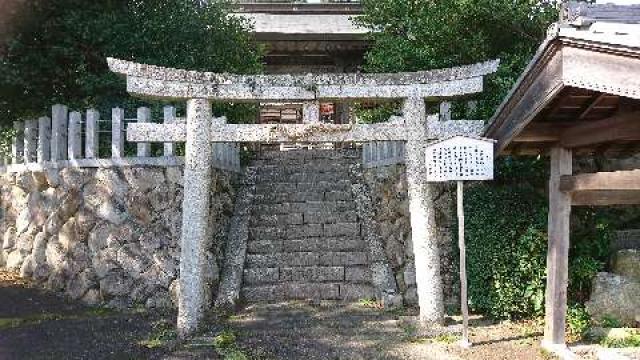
[388,187]
[105,235]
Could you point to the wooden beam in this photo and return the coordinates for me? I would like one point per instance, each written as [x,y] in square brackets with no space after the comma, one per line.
[617,180]
[606,198]
[558,251]
[622,127]
[542,132]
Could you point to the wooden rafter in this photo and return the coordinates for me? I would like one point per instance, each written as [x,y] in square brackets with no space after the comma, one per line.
[596,100]
[622,127]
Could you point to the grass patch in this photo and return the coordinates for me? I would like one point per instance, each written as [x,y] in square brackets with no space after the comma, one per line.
[610,321]
[622,338]
[163,333]
[578,323]
[9,323]
[225,345]
[370,304]
[100,311]
[546,354]
[410,331]
[411,335]
[532,328]
[447,338]
[397,311]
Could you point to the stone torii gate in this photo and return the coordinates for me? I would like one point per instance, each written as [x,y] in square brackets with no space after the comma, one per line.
[201,88]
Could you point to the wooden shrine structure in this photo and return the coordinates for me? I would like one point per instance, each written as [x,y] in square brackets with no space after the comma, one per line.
[580,95]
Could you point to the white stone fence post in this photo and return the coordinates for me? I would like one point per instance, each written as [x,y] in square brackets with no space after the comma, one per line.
[72,139]
[381,153]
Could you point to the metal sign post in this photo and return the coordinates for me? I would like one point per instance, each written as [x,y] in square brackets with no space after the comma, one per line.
[458,159]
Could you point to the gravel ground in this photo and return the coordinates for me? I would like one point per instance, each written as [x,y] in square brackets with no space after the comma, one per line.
[35,324]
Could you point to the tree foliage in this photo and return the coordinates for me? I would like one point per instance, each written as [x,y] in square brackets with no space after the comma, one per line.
[59,52]
[506,219]
[506,239]
[411,35]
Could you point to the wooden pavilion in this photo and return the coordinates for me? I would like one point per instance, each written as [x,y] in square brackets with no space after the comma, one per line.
[580,95]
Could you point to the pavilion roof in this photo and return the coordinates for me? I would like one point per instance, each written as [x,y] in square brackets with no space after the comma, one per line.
[582,79]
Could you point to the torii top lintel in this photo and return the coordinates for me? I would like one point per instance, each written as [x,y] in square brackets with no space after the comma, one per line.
[160,82]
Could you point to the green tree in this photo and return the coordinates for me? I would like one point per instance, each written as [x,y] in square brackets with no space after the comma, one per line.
[59,52]
[506,219]
[412,35]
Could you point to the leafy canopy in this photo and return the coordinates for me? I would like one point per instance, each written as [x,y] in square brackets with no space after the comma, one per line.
[411,35]
[58,53]
[507,218]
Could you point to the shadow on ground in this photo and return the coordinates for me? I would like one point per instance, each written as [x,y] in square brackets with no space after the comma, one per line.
[35,324]
[300,330]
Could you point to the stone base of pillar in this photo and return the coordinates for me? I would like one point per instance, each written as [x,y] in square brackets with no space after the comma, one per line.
[560,350]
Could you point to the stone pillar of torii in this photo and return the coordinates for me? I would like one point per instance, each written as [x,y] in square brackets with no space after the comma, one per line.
[199,89]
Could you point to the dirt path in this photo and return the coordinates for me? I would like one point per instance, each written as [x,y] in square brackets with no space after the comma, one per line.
[35,324]
[302,331]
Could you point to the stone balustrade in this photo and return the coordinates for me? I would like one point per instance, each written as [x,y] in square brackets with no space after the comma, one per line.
[73,139]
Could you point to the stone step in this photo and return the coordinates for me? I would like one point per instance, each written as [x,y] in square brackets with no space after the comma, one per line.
[306,245]
[313,167]
[302,177]
[310,216]
[305,291]
[337,185]
[307,274]
[305,238]
[299,218]
[302,196]
[274,220]
[309,154]
[292,259]
[328,217]
[294,232]
[306,207]
[322,186]
[312,274]
[346,161]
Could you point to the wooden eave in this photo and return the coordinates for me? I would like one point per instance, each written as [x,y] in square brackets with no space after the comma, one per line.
[353,8]
[581,90]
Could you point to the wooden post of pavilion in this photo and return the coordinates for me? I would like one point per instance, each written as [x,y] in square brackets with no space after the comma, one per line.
[558,251]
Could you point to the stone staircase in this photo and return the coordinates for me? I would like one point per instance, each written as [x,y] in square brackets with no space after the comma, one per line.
[305,239]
